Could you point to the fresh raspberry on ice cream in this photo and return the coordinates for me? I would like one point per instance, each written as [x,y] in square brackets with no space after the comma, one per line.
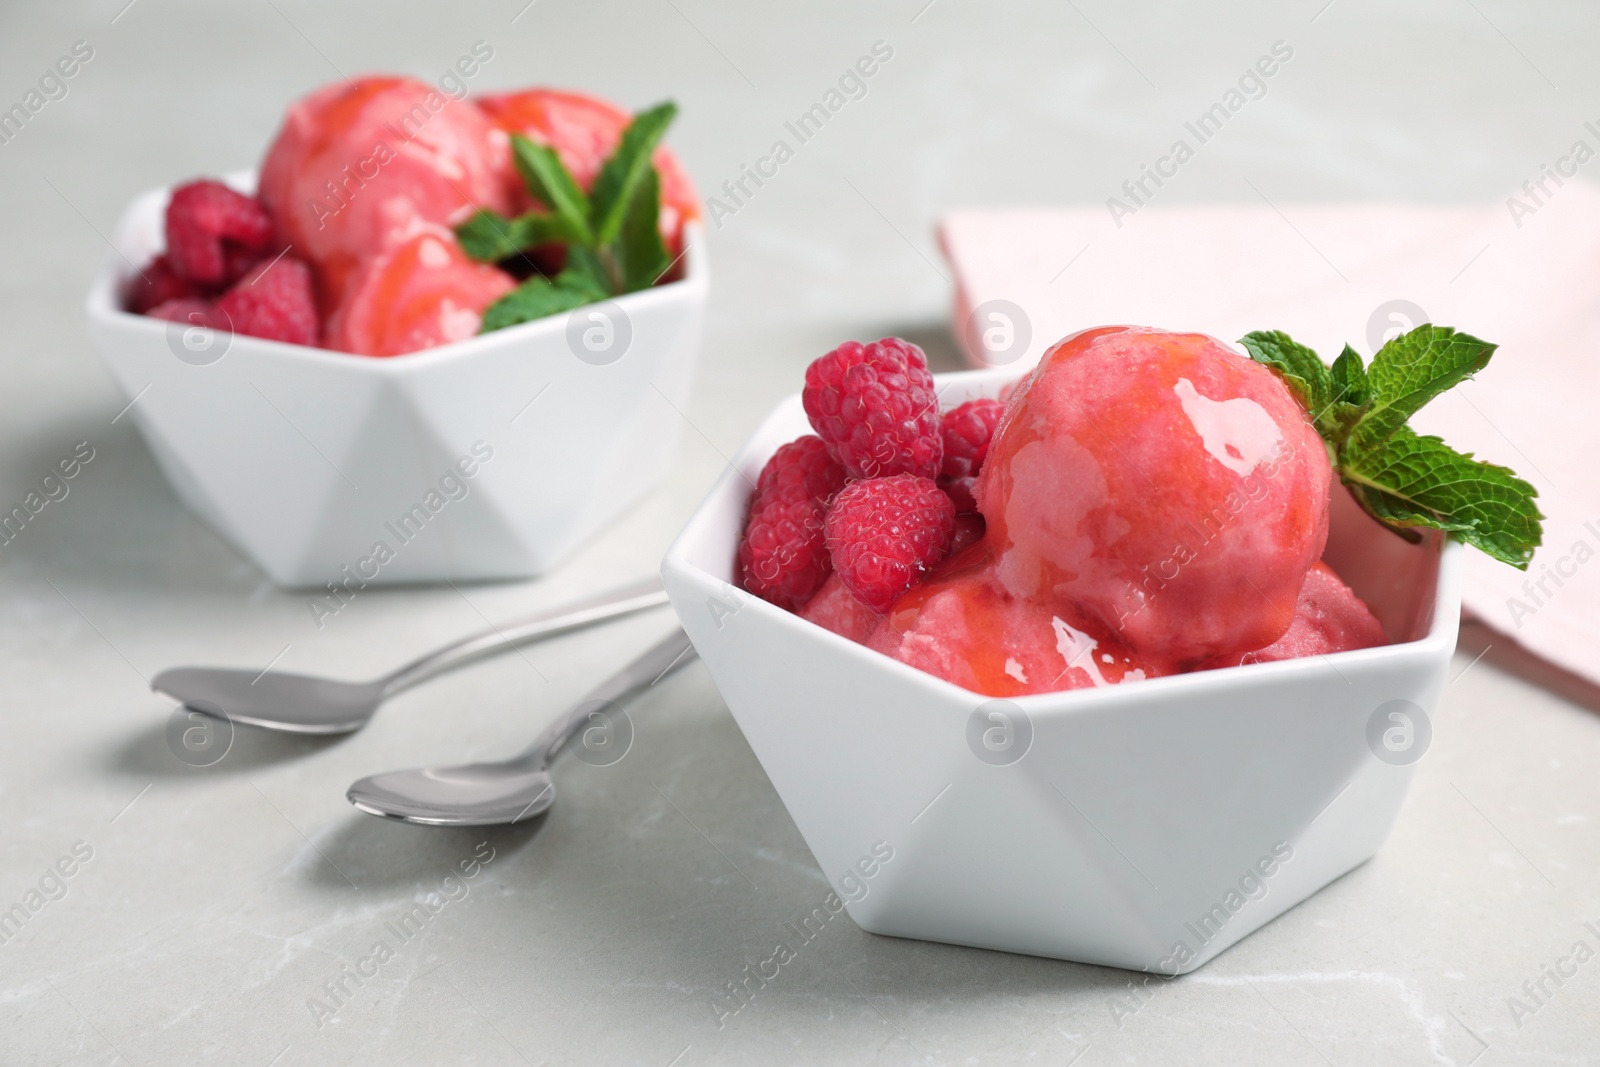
[885,533]
[214,233]
[420,293]
[782,556]
[358,166]
[1161,485]
[966,432]
[274,301]
[875,406]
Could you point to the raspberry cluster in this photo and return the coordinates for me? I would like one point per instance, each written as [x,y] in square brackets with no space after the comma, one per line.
[783,557]
[223,269]
[880,495]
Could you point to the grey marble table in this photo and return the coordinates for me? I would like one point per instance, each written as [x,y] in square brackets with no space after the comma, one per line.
[220,914]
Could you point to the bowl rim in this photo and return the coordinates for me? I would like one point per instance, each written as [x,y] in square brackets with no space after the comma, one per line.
[1437,643]
[102,306]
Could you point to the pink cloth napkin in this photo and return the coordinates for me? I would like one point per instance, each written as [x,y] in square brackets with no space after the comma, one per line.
[1524,274]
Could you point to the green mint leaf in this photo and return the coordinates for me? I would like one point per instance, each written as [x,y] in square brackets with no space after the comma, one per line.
[1301,369]
[621,175]
[551,184]
[578,279]
[1402,479]
[1411,370]
[490,237]
[1408,480]
[641,254]
[1348,396]
[1349,379]
[586,267]
[537,298]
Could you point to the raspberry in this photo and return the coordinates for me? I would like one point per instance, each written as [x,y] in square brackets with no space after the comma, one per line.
[212,230]
[157,284]
[875,407]
[275,302]
[966,431]
[802,462]
[884,533]
[783,556]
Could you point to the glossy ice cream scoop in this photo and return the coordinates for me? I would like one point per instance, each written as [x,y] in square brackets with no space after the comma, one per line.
[358,166]
[584,131]
[1167,490]
[420,293]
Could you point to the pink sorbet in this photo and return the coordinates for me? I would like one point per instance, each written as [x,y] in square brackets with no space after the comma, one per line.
[1165,488]
[358,166]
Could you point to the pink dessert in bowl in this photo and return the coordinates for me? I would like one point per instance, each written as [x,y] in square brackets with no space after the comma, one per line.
[420,292]
[1044,784]
[374,318]
[423,219]
[1145,503]
[358,165]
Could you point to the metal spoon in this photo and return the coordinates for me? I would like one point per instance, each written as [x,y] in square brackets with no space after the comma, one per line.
[304,704]
[493,794]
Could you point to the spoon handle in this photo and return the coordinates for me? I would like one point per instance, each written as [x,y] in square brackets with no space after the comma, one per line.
[624,600]
[670,653]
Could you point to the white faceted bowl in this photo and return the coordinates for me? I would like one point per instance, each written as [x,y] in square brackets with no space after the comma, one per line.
[1137,808]
[306,459]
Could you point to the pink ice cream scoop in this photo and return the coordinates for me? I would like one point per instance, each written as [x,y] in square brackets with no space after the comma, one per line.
[358,166]
[417,294]
[1164,488]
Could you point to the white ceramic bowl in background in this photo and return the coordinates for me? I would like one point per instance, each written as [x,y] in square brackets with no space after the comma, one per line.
[1134,812]
[306,459]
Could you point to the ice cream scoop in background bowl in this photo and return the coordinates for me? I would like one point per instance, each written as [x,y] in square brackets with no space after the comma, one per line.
[1148,825]
[489,458]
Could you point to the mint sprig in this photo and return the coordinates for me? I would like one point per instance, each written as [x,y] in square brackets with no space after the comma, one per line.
[1404,479]
[612,234]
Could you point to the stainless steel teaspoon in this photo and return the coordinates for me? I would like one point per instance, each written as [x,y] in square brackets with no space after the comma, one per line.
[304,704]
[493,794]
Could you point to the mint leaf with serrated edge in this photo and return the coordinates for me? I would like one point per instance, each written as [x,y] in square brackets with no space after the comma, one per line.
[1412,480]
[612,236]
[1301,369]
[1348,379]
[621,175]
[1403,479]
[489,236]
[548,179]
[537,298]
[1412,369]
[640,251]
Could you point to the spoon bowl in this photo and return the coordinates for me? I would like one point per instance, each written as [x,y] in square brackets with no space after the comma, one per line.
[470,794]
[297,703]
[497,794]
